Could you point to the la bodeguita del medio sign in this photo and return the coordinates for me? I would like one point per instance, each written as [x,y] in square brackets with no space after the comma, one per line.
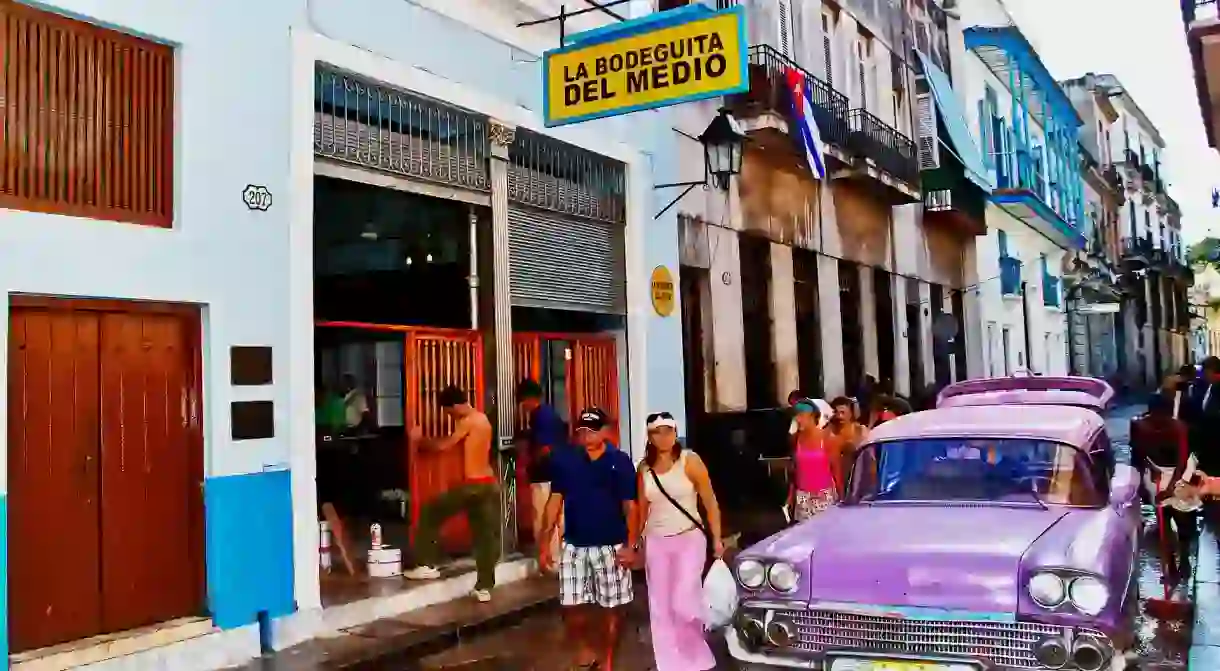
[677,56]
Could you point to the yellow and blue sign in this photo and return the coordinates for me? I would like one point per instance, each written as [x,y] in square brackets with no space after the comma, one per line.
[690,53]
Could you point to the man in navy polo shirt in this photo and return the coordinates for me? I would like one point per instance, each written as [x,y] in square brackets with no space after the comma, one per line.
[595,487]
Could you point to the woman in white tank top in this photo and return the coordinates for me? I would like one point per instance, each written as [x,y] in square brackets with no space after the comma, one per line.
[672,484]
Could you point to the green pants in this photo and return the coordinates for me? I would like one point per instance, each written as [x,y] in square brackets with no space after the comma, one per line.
[481,503]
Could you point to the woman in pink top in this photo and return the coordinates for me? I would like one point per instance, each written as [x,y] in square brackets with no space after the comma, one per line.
[815,464]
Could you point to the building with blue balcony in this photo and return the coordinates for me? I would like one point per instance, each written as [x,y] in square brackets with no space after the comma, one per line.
[1029,134]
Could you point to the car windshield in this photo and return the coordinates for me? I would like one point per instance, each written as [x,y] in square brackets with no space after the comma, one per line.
[1007,470]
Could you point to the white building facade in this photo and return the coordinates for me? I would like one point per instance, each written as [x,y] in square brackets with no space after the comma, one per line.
[167,257]
[1154,322]
[1029,132]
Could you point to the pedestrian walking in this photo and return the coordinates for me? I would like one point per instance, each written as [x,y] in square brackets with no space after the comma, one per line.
[477,495]
[848,433]
[547,433]
[672,482]
[816,465]
[1202,413]
[1160,451]
[596,489]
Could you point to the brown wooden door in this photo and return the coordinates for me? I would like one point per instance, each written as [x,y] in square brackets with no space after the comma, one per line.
[150,484]
[105,468]
[54,565]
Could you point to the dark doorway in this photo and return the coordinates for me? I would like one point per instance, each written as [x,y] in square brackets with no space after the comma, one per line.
[808,322]
[941,347]
[692,282]
[853,329]
[390,257]
[959,340]
[883,298]
[914,339]
[756,321]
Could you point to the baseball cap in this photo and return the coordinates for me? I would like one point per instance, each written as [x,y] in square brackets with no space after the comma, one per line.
[592,419]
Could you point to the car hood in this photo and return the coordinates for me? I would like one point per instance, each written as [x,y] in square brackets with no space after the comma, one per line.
[954,557]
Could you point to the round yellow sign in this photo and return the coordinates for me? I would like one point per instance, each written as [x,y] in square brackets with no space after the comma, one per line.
[662,291]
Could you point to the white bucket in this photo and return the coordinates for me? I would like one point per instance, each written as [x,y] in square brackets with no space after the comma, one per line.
[384,562]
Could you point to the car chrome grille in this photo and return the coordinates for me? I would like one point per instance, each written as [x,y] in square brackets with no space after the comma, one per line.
[1008,645]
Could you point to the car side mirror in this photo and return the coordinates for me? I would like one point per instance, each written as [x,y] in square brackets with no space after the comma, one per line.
[1124,487]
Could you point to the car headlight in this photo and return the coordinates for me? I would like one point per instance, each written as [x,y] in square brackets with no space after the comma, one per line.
[751,573]
[1088,594]
[783,577]
[1047,590]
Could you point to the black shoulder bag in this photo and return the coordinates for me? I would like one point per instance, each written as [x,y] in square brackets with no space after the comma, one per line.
[710,555]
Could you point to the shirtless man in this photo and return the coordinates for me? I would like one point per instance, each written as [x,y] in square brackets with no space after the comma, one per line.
[477,495]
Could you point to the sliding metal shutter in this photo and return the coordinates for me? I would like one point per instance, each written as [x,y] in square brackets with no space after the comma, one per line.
[565,263]
[566,217]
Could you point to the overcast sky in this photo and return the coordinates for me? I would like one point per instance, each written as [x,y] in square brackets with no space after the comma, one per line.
[1144,45]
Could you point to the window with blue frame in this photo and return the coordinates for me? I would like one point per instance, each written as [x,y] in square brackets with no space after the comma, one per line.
[1010,268]
[1050,285]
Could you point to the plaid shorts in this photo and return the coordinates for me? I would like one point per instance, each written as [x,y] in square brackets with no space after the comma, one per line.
[593,575]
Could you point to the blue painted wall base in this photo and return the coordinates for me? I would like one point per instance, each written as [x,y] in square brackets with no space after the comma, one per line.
[249,547]
[4,580]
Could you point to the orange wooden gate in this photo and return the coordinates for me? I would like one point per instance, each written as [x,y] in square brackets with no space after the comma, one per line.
[591,379]
[433,359]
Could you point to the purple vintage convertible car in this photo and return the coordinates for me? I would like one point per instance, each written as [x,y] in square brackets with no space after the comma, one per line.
[972,539]
[1083,392]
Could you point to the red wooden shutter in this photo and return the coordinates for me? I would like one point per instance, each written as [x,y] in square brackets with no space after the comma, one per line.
[87,116]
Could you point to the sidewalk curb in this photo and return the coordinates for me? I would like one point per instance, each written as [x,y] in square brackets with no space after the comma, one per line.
[398,651]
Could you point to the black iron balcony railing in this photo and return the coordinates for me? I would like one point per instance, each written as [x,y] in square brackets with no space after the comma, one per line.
[1137,247]
[874,139]
[1112,177]
[1148,174]
[769,91]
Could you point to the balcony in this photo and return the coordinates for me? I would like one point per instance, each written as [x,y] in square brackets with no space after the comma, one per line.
[764,110]
[953,201]
[1023,191]
[1203,38]
[858,145]
[1158,259]
[1010,276]
[1137,253]
[875,141]
[1148,175]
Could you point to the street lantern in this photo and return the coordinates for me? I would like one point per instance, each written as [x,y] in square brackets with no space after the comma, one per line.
[722,142]
[722,148]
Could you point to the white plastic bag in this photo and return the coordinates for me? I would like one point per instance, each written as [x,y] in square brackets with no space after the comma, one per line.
[719,595]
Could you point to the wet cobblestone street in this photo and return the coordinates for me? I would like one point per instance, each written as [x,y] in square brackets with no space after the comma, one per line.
[537,643]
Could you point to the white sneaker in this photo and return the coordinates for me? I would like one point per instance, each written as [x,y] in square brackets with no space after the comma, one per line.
[422,573]
[482,595]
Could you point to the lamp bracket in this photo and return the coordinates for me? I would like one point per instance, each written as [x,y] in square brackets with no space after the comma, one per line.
[690,186]
[563,15]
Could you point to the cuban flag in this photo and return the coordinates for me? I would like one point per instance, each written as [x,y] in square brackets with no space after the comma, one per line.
[804,123]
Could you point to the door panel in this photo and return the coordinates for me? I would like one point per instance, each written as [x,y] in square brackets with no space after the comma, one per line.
[434,361]
[149,479]
[594,379]
[54,566]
